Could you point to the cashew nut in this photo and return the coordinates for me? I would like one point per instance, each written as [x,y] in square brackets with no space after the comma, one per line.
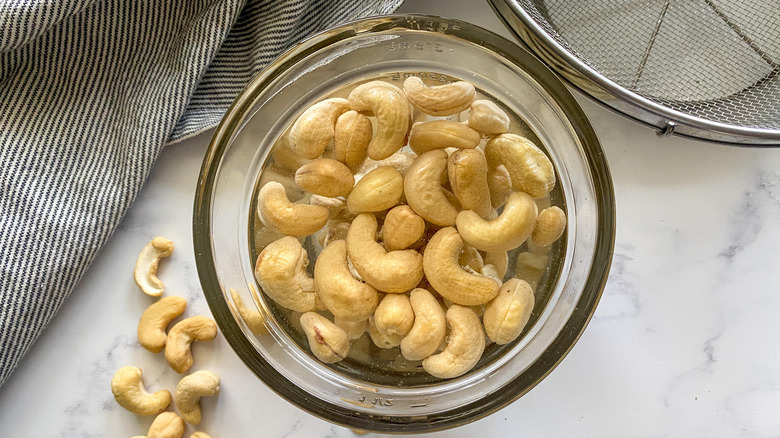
[470,258]
[440,134]
[166,425]
[549,226]
[531,267]
[285,157]
[380,339]
[335,206]
[354,329]
[402,227]
[388,104]
[509,312]
[450,280]
[344,296]
[313,130]
[424,193]
[279,214]
[499,259]
[441,100]
[128,388]
[500,185]
[394,315]
[467,171]
[145,272]
[281,271]
[530,169]
[399,161]
[353,135]
[177,346]
[394,271]
[508,231]
[251,317]
[379,190]
[151,327]
[464,348]
[487,118]
[190,389]
[327,340]
[325,177]
[429,327]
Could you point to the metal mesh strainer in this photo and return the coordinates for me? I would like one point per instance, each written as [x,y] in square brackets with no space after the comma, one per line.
[708,69]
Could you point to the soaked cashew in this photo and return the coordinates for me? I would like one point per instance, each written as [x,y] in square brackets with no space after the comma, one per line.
[379,190]
[506,316]
[508,231]
[394,315]
[531,267]
[327,340]
[277,212]
[487,118]
[344,296]
[145,273]
[429,329]
[128,389]
[313,130]
[354,329]
[500,185]
[467,170]
[381,339]
[281,272]
[285,157]
[441,100]
[464,348]
[350,142]
[393,271]
[549,226]
[470,258]
[530,169]
[440,134]
[154,320]
[388,103]
[325,177]
[402,227]
[177,346]
[335,206]
[190,389]
[166,425]
[450,280]
[251,317]
[498,259]
[424,193]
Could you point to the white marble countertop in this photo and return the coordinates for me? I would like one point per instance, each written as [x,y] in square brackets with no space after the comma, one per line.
[685,341]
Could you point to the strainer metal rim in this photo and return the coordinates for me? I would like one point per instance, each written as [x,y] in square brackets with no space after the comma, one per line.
[670,118]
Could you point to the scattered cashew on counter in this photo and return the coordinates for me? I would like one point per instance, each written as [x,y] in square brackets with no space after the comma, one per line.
[145,273]
[177,346]
[190,389]
[128,388]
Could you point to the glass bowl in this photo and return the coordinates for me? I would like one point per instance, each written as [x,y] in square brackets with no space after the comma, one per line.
[393,47]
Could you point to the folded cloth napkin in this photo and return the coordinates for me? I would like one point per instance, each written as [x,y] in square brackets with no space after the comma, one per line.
[90,90]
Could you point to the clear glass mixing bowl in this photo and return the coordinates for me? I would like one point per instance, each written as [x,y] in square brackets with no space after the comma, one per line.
[393,47]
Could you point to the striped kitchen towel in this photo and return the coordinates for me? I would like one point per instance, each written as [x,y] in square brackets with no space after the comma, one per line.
[90,90]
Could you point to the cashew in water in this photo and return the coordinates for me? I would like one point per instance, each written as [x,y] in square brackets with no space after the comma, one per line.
[399,161]
[487,118]
[129,392]
[335,206]
[313,130]
[509,312]
[379,190]
[424,193]
[394,315]
[145,272]
[325,177]
[441,100]
[464,348]
[531,267]
[530,169]
[450,280]
[380,339]
[429,327]
[177,346]
[354,329]
[251,317]
[470,258]
[279,214]
[353,135]
[334,230]
[508,231]
[344,296]
[499,259]
[500,185]
[166,425]
[549,226]
[393,271]
[285,157]
[190,389]
[327,340]
[402,227]
[151,327]
[281,271]
[440,134]
[467,170]
[388,104]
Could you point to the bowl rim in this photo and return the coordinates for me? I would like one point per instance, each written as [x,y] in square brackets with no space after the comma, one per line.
[515,388]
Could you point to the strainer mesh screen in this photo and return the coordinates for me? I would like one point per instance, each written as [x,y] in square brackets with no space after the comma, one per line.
[715,59]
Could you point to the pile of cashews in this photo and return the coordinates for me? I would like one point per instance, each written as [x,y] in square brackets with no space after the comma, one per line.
[415,222]
[127,384]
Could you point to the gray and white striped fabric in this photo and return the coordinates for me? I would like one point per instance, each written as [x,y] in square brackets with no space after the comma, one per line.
[90,91]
